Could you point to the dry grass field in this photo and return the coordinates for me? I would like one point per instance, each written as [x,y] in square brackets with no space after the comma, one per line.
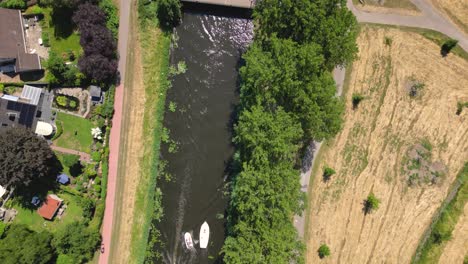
[404,7]
[455,10]
[457,248]
[388,141]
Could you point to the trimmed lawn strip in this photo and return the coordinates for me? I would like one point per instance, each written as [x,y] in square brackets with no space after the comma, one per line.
[155,74]
[430,249]
[76,133]
[432,35]
[401,4]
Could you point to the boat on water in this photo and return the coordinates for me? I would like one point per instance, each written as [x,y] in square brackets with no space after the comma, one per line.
[188,240]
[204,235]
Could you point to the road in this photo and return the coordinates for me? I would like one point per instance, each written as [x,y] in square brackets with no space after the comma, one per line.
[114,141]
[429,19]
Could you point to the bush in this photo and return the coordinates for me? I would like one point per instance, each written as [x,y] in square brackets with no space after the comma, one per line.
[388,41]
[323,251]
[59,130]
[13,4]
[460,106]
[2,87]
[327,173]
[34,10]
[88,206]
[371,203]
[96,156]
[415,88]
[448,46]
[66,102]
[357,98]
[45,39]
[169,13]
[61,100]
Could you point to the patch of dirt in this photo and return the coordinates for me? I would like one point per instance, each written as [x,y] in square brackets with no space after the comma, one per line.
[368,155]
[457,248]
[454,10]
[403,7]
[132,145]
[419,168]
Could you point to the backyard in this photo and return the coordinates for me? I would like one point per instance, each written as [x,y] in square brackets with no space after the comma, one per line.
[76,132]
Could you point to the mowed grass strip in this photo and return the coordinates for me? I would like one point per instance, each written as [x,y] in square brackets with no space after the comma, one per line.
[76,133]
[443,227]
[401,4]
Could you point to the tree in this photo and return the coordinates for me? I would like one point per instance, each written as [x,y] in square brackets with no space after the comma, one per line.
[88,15]
[283,73]
[325,22]
[97,39]
[25,158]
[323,251]
[357,98]
[327,173]
[371,203]
[448,46]
[78,241]
[19,244]
[88,206]
[169,13]
[98,67]
[13,4]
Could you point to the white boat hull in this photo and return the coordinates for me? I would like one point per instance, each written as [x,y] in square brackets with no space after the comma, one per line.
[204,235]
[188,240]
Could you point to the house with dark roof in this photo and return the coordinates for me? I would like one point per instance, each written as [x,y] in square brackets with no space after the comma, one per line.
[14,57]
[21,111]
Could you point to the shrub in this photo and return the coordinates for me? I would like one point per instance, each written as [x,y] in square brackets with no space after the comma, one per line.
[169,13]
[172,106]
[2,87]
[460,106]
[72,104]
[323,251]
[34,10]
[96,156]
[388,41]
[357,98]
[61,100]
[88,207]
[415,88]
[371,203]
[13,4]
[59,130]
[448,46]
[45,39]
[327,173]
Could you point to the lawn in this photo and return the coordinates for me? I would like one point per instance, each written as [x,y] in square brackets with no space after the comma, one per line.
[32,219]
[61,32]
[76,133]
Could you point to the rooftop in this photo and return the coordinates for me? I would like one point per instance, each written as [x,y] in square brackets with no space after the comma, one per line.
[12,44]
[50,206]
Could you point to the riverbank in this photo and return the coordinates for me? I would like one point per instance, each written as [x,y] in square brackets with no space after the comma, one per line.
[146,84]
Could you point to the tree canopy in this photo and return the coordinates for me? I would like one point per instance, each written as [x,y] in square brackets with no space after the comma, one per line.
[19,244]
[77,241]
[25,158]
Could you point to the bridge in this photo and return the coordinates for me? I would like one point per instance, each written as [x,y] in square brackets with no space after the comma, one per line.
[233,3]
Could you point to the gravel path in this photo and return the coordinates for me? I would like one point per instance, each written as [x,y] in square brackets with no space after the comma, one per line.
[83,156]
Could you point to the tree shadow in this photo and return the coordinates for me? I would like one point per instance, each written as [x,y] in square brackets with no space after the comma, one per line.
[76,169]
[366,207]
[62,22]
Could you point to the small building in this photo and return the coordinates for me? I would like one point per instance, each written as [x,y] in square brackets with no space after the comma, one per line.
[96,94]
[2,191]
[63,179]
[13,55]
[50,206]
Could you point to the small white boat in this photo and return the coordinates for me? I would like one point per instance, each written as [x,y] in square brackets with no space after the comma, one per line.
[188,240]
[204,235]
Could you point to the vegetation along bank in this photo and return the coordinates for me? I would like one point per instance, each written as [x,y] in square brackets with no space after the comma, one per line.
[287,99]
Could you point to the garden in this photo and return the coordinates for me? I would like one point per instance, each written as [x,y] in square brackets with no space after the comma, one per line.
[66,102]
[76,132]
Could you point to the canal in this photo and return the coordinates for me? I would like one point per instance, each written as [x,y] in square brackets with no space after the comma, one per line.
[210,41]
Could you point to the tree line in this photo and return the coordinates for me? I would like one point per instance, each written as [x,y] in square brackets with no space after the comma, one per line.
[287,99]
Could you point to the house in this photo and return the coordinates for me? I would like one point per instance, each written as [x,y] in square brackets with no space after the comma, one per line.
[14,57]
[50,206]
[24,111]
[63,179]
[96,94]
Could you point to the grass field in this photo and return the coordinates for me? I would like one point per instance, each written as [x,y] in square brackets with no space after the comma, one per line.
[31,218]
[76,133]
[397,5]
[370,153]
[62,35]
[442,231]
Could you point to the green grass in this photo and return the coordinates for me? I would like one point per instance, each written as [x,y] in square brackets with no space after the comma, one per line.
[63,37]
[429,251]
[82,140]
[32,219]
[402,4]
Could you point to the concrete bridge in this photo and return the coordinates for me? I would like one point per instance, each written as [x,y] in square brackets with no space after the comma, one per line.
[233,3]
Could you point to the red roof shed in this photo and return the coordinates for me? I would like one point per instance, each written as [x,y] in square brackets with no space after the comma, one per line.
[50,206]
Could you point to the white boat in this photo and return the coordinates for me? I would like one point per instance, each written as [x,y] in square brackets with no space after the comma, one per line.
[204,235]
[188,240]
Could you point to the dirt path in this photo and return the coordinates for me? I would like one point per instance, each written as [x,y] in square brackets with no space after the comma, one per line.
[430,19]
[457,248]
[83,156]
[114,141]
[368,154]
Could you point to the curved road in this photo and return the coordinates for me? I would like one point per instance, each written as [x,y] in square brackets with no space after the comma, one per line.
[430,19]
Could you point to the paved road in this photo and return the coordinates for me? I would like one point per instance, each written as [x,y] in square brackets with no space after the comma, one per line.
[430,19]
[114,141]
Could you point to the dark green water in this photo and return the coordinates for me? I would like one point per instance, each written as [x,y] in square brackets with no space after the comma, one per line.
[210,41]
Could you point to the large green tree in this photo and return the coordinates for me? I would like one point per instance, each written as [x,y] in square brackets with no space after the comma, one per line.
[25,158]
[21,245]
[78,241]
[325,22]
[281,72]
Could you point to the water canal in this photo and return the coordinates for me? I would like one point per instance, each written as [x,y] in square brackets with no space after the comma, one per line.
[210,41]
